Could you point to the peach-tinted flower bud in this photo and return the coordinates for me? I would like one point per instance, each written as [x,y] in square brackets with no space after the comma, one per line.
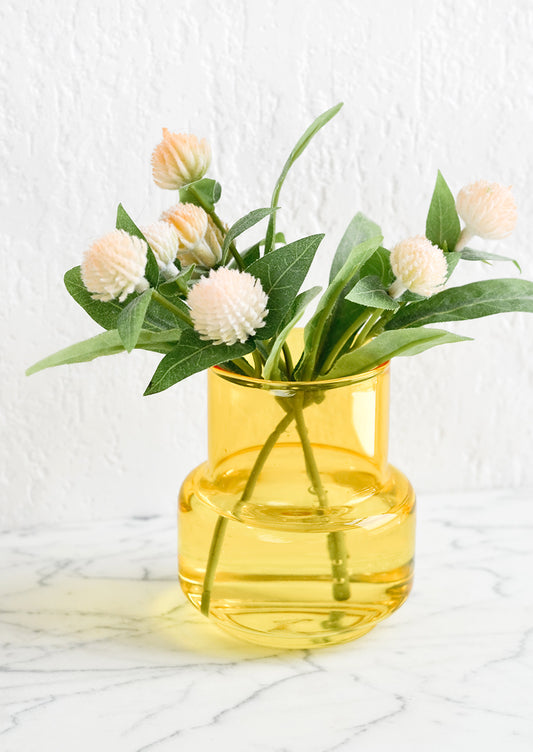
[164,241]
[487,209]
[179,159]
[113,267]
[198,244]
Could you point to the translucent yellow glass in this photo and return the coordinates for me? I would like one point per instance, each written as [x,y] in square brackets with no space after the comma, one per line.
[320,547]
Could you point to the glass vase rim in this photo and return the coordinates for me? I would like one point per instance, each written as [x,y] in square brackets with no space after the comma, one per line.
[276,384]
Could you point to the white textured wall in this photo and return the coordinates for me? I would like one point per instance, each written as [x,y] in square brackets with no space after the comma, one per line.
[86,87]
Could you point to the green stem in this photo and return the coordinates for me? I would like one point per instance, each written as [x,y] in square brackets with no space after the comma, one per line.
[336,541]
[244,366]
[341,342]
[258,364]
[288,360]
[362,335]
[171,307]
[222,522]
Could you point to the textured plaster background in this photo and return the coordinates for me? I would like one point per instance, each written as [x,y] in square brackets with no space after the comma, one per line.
[85,89]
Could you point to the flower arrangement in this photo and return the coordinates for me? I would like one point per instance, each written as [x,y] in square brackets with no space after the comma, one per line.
[181,288]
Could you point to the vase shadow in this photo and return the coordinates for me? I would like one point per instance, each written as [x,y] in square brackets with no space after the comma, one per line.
[84,616]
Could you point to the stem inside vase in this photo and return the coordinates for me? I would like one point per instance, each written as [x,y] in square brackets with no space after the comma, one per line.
[335,541]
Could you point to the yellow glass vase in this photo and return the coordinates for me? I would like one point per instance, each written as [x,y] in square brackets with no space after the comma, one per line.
[297,532]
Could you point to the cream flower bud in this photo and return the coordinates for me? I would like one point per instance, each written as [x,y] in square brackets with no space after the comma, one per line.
[179,159]
[419,266]
[487,209]
[196,243]
[113,267]
[214,239]
[227,306]
[164,241]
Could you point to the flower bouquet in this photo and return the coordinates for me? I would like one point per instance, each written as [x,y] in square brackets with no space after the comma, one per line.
[296,531]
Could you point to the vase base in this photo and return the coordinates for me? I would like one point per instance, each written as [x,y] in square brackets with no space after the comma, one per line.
[299,626]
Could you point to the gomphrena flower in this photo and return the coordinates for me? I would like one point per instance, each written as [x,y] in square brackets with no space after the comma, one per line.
[488,211]
[179,159]
[227,306]
[419,266]
[164,241]
[113,267]
[198,243]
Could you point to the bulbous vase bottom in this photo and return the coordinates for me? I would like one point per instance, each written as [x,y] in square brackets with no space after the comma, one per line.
[287,625]
[274,582]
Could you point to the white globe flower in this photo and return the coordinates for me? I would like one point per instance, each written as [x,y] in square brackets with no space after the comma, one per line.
[179,159]
[113,267]
[488,211]
[227,306]
[419,266]
[164,241]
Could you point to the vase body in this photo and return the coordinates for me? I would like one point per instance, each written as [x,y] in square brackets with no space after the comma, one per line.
[305,529]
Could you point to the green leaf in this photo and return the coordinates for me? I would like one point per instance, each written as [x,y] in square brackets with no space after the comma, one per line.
[271,370]
[379,265]
[158,318]
[204,193]
[452,259]
[360,229]
[344,314]
[469,254]
[470,301]
[125,222]
[192,355]
[442,225]
[131,320]
[106,343]
[324,315]
[369,291]
[243,224]
[282,273]
[301,144]
[389,345]
[105,314]
[249,256]
[252,253]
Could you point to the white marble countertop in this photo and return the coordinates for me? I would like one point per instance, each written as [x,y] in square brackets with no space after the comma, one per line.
[100,651]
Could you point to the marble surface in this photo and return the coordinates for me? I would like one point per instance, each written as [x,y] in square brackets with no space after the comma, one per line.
[101,652]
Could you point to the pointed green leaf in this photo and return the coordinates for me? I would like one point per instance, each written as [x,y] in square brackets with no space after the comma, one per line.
[379,265]
[469,254]
[105,314]
[131,320]
[271,369]
[452,259]
[125,222]
[470,301]
[249,256]
[282,273]
[204,193]
[442,225]
[252,253]
[360,229]
[324,314]
[241,225]
[390,345]
[369,291]
[301,144]
[106,343]
[192,355]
